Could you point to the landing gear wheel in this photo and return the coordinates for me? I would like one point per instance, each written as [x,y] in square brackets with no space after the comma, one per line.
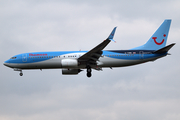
[89,74]
[89,70]
[21,74]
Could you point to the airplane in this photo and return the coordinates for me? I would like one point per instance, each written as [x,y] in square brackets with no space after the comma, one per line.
[73,62]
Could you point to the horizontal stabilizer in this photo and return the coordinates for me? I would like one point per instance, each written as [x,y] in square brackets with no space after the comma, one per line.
[164,49]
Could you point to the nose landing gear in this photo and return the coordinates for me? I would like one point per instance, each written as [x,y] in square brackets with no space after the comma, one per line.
[16,69]
[21,74]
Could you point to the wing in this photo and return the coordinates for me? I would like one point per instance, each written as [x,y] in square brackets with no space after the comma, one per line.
[93,55]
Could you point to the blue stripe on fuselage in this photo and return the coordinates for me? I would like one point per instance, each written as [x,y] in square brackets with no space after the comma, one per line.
[38,56]
[34,57]
[129,54]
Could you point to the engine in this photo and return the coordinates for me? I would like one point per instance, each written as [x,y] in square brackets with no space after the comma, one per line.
[70,71]
[69,63]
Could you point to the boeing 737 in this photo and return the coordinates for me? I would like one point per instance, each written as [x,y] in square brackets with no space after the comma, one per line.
[73,62]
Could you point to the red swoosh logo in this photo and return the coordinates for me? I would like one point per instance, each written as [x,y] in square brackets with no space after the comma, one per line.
[157,42]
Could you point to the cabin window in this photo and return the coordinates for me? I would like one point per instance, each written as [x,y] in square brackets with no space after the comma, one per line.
[13,58]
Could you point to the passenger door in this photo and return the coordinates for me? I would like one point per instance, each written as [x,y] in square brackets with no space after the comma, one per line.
[24,57]
[141,55]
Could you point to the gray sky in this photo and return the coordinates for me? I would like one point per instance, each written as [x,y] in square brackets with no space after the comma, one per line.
[148,91]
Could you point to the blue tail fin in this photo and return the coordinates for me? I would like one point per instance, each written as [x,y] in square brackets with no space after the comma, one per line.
[158,39]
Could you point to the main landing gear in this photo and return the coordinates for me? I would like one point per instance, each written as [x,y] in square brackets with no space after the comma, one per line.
[89,71]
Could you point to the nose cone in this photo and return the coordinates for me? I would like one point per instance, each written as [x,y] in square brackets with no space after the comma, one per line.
[6,63]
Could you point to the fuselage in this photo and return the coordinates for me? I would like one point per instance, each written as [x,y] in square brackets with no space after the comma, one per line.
[72,62]
[53,60]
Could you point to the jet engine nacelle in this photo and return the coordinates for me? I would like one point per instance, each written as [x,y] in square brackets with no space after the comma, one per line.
[69,63]
[70,71]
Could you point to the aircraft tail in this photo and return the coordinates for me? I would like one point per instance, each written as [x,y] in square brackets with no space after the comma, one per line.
[164,49]
[158,39]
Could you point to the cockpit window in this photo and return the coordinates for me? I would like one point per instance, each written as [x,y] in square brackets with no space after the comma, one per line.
[13,57]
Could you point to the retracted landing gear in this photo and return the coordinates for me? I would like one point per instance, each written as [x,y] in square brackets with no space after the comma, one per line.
[89,71]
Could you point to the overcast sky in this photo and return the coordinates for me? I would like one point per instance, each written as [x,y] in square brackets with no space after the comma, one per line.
[149,91]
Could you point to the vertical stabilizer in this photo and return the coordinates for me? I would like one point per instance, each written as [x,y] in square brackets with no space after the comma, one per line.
[158,39]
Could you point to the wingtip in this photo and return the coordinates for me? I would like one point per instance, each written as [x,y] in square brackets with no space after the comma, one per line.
[112,33]
[112,40]
[115,27]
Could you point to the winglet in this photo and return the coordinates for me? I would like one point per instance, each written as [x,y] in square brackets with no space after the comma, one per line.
[112,35]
